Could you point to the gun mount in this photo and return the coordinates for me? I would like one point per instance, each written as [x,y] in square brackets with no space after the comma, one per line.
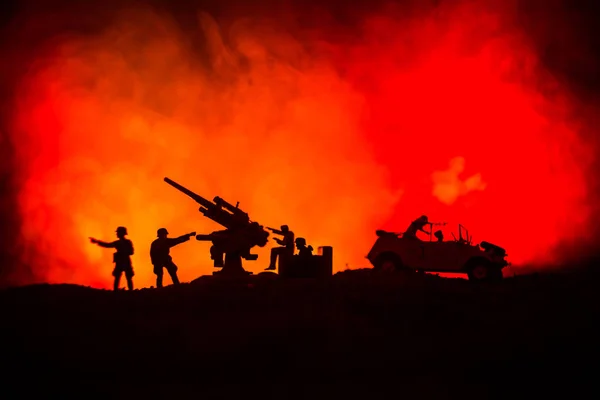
[240,234]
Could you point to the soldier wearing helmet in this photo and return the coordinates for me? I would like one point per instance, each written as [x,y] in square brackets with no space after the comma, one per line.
[160,255]
[286,243]
[121,257]
[303,249]
[416,225]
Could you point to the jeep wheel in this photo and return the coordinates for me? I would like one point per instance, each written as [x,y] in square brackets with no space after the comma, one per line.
[482,271]
[388,263]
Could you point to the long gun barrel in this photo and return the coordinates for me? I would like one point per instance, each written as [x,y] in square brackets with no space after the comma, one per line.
[217,210]
[196,197]
[231,208]
[206,238]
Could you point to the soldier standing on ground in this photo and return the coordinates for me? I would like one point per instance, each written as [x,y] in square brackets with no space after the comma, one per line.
[160,255]
[287,244]
[121,258]
[416,225]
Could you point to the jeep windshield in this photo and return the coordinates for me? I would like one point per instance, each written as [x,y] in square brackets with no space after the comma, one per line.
[463,234]
[457,235]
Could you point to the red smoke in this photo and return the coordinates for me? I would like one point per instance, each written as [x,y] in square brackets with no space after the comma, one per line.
[447,112]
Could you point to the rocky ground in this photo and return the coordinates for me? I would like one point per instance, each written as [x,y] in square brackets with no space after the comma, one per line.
[354,336]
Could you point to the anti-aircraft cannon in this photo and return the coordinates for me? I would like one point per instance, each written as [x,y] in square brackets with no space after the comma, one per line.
[236,240]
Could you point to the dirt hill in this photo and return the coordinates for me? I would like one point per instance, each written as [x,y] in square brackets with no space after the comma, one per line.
[354,336]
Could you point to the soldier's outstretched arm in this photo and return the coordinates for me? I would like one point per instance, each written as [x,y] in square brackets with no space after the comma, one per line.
[422,229]
[107,245]
[181,239]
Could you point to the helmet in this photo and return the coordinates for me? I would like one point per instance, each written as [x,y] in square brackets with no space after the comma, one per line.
[285,228]
[300,241]
[424,218]
[162,231]
[122,230]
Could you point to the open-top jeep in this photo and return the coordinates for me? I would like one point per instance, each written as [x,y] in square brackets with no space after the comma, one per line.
[481,262]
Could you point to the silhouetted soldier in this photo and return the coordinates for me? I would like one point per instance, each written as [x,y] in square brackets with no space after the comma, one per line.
[287,243]
[416,225]
[121,258]
[303,249]
[439,236]
[160,255]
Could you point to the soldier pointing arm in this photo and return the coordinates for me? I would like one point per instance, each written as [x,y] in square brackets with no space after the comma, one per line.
[121,258]
[160,255]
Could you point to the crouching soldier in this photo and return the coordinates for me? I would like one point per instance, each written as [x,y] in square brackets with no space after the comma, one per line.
[121,258]
[160,255]
[303,249]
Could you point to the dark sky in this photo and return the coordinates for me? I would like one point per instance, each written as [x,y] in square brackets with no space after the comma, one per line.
[565,32]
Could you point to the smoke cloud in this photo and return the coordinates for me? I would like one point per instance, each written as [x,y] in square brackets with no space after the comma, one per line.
[447,185]
[443,110]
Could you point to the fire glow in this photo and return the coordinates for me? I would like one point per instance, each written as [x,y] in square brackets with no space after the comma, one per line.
[445,114]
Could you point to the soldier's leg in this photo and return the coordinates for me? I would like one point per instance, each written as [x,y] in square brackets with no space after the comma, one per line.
[158,271]
[129,275]
[172,270]
[274,253]
[117,274]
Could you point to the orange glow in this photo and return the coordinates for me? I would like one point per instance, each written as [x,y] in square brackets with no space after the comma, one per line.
[333,140]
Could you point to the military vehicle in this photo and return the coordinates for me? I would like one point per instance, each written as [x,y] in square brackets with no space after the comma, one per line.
[481,262]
